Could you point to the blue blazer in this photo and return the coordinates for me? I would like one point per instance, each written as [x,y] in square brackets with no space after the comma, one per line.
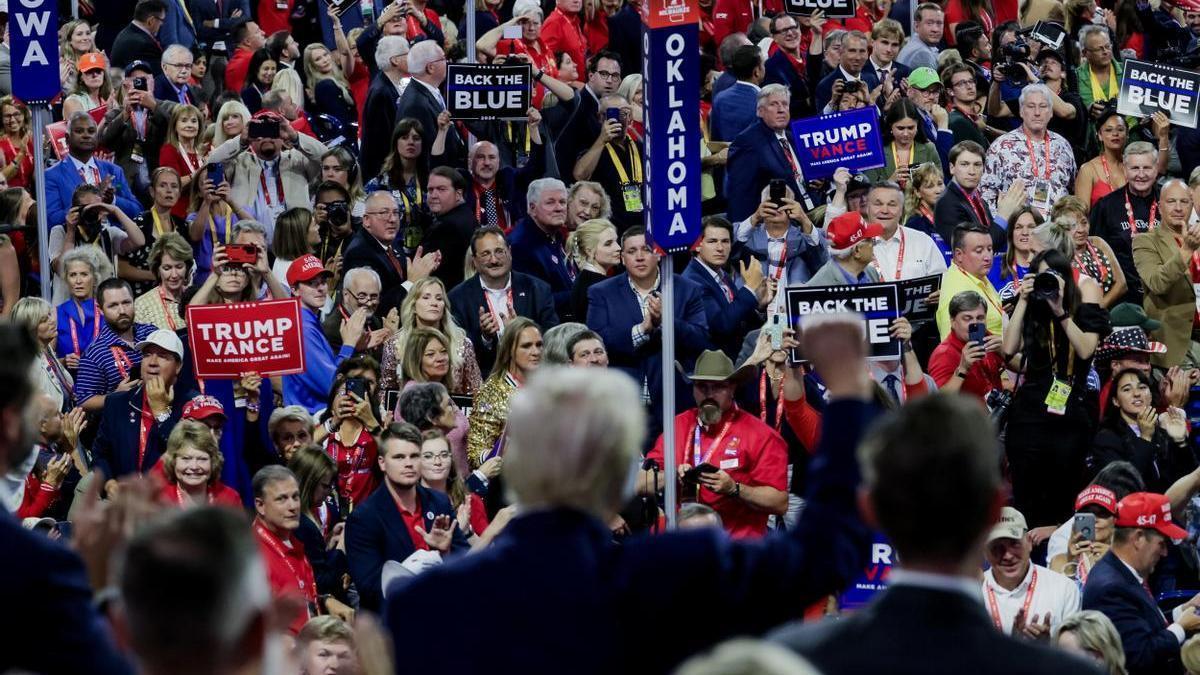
[732,111]
[115,450]
[62,179]
[613,311]
[534,255]
[755,157]
[1150,649]
[84,326]
[803,258]
[780,71]
[901,71]
[559,576]
[375,534]
[825,86]
[177,29]
[727,320]
[60,630]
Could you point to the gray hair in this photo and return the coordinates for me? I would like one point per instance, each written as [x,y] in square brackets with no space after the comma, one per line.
[1169,182]
[422,54]
[288,413]
[527,8]
[770,90]
[357,272]
[421,404]
[555,341]
[691,510]
[90,256]
[389,46]
[606,208]
[1056,235]
[836,36]
[1096,633]
[534,194]
[1090,30]
[269,475]
[746,656]
[252,226]
[173,50]
[1037,88]
[1139,148]
[574,440]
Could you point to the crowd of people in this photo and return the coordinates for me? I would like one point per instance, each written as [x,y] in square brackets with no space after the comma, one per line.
[456,277]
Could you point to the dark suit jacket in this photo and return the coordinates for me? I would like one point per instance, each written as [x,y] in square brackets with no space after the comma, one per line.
[1149,647]
[909,630]
[533,253]
[450,233]
[59,630]
[755,157]
[579,133]
[379,119]
[613,311]
[825,87]
[165,91]
[953,208]
[419,103]
[115,450]
[733,111]
[375,534]
[592,602]
[531,298]
[365,251]
[134,44]
[780,71]
[728,322]
[328,565]
[624,38]
[899,72]
[208,10]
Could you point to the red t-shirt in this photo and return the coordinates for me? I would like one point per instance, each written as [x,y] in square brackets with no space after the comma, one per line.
[288,570]
[751,452]
[236,69]
[562,33]
[357,466]
[982,377]
[479,518]
[274,15]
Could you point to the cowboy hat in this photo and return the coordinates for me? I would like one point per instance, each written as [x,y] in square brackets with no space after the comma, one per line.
[714,366]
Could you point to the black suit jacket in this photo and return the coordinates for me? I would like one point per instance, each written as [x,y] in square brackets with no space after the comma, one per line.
[953,208]
[450,233]
[165,91]
[579,133]
[59,630]
[134,44]
[365,251]
[1150,649]
[379,120]
[419,103]
[625,38]
[532,298]
[779,70]
[909,630]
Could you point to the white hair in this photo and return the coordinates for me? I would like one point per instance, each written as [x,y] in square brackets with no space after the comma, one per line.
[574,440]
[534,194]
[1140,148]
[390,46]
[773,90]
[1036,89]
[422,54]
[357,272]
[249,226]
[526,8]
[173,50]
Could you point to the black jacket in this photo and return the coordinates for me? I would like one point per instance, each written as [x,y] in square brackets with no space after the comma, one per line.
[379,120]
[418,102]
[953,209]
[364,250]
[1160,460]
[532,298]
[450,233]
[134,44]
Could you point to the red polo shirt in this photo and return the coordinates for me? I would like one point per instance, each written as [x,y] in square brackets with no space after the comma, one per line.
[751,452]
[562,33]
[288,570]
[411,520]
[982,377]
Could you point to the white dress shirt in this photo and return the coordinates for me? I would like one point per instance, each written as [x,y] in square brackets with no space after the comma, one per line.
[1054,593]
[921,256]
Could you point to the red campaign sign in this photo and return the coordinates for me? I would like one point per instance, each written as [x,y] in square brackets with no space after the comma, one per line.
[261,337]
[666,13]
[58,134]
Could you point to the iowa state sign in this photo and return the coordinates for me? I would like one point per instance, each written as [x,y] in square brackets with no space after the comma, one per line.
[260,337]
[849,139]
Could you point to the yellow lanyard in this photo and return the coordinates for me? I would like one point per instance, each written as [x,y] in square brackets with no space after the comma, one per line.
[510,136]
[635,160]
[896,158]
[212,226]
[1097,90]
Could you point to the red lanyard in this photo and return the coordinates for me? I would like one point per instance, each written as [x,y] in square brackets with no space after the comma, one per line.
[981,286]
[492,309]
[696,449]
[976,206]
[354,455]
[63,382]
[95,326]
[777,273]
[304,576]
[1101,270]
[762,401]
[899,258]
[1107,172]
[991,597]
[262,179]
[1129,214]
[181,496]
[147,422]
[1032,163]
[926,212]
[85,171]
[162,299]
[121,361]
[1082,568]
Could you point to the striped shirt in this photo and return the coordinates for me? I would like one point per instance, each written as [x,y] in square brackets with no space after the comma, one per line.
[99,374]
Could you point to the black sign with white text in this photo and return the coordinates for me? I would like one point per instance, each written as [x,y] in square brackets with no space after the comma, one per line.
[833,9]
[477,91]
[879,305]
[913,294]
[1149,87]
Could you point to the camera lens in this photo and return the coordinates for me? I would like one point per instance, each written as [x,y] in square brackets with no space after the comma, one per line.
[1045,285]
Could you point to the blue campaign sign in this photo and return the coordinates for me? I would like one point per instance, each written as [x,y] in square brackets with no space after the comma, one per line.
[33,42]
[671,51]
[849,139]
[873,578]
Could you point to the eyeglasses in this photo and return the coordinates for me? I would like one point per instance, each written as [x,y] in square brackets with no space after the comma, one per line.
[1101,48]
[394,213]
[182,66]
[785,31]
[608,75]
[962,83]
[13,116]
[364,298]
[430,456]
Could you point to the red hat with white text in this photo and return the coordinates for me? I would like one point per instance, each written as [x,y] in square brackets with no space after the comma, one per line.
[305,268]
[850,228]
[1146,509]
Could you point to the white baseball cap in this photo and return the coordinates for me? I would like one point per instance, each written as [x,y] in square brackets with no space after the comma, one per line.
[165,339]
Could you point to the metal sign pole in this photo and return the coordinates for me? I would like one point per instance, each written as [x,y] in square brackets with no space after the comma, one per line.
[41,117]
[667,290]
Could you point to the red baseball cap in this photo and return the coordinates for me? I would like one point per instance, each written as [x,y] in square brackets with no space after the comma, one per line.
[305,268]
[1098,495]
[850,228]
[202,407]
[1146,509]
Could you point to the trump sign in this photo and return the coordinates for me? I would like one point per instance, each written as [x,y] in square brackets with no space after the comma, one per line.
[33,46]
[250,337]
[671,88]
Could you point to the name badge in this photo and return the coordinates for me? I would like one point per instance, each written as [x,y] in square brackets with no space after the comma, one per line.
[729,464]
[1041,195]
[135,154]
[1056,398]
[631,193]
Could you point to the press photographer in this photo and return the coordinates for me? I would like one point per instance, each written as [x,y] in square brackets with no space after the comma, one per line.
[89,223]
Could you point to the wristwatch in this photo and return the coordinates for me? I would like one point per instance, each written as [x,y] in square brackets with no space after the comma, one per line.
[737,489]
[962,374]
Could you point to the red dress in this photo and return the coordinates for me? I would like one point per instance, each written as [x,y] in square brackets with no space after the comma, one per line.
[21,177]
[357,466]
[186,164]
[360,82]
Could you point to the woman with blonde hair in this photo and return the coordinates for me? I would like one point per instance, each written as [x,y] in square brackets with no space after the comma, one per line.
[192,464]
[595,249]
[75,39]
[231,121]
[329,89]
[632,91]
[1093,636]
[428,306]
[49,373]
[517,356]
[339,166]
[1091,255]
[154,222]
[921,194]
[181,152]
[170,261]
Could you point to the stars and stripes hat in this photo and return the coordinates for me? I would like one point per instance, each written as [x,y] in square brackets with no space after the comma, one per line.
[1128,340]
